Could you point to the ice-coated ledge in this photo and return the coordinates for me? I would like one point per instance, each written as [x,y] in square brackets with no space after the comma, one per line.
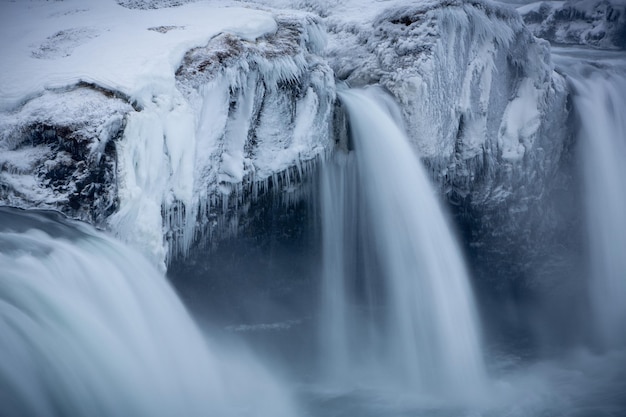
[479,94]
[481,101]
[262,114]
[154,123]
[595,23]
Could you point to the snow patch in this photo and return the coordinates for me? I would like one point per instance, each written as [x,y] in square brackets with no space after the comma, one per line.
[63,43]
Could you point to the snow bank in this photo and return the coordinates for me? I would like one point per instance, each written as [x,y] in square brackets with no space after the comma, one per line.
[46,46]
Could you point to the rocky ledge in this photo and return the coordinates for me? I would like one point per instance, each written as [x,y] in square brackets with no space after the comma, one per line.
[595,23]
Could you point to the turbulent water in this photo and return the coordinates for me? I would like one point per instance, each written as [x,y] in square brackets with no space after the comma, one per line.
[90,328]
[396,297]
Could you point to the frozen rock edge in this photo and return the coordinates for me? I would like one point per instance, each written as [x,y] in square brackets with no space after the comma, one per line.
[247,117]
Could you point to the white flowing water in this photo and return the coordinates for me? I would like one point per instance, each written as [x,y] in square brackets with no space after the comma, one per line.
[600,103]
[396,302]
[90,328]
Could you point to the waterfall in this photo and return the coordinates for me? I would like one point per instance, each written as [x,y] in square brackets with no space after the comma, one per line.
[600,102]
[396,300]
[90,328]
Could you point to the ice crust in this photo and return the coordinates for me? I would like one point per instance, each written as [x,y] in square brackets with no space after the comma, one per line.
[46,46]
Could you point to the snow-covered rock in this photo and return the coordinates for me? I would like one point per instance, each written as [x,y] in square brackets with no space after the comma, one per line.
[155,123]
[596,23]
[478,91]
[481,100]
[263,113]
[58,152]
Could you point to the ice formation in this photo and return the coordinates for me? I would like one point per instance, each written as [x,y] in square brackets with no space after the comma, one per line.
[58,152]
[197,103]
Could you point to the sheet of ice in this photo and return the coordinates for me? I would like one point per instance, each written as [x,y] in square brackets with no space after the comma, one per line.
[52,45]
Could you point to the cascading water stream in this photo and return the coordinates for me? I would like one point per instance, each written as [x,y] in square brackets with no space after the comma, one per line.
[600,103]
[396,302]
[90,328]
